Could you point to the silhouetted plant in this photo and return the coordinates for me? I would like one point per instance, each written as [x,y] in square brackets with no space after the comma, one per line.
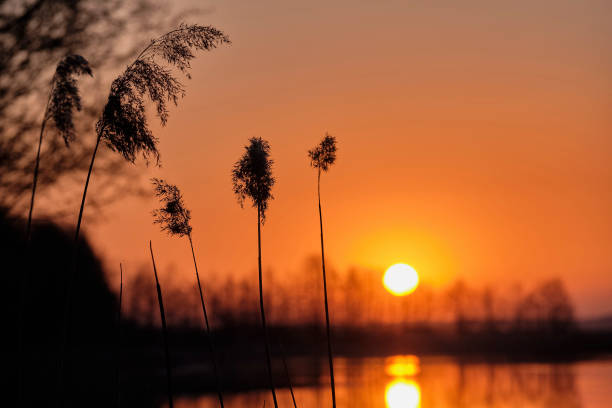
[321,158]
[34,36]
[252,178]
[287,374]
[123,124]
[174,218]
[63,99]
[162,314]
[118,351]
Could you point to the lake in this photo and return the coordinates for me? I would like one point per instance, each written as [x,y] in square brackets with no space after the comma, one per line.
[442,382]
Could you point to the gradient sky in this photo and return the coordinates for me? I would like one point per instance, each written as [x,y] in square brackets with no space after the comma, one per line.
[474,142]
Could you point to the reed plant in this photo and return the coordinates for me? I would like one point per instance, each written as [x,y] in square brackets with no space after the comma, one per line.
[123,125]
[118,350]
[322,157]
[174,218]
[162,314]
[252,178]
[64,98]
[282,351]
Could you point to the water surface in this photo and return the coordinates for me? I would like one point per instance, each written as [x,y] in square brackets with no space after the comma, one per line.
[439,382]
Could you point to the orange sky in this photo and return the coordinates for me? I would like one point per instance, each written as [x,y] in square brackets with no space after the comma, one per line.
[474,142]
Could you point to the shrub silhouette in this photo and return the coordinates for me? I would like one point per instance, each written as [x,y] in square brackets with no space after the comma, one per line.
[42,309]
[321,158]
[174,218]
[252,178]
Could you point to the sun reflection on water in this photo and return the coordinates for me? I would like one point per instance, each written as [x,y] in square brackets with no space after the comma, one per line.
[402,392]
[402,366]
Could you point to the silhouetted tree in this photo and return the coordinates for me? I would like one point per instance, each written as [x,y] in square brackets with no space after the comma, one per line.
[183,305]
[174,218]
[488,306]
[548,307]
[247,315]
[140,301]
[252,178]
[312,290]
[162,315]
[558,307]
[353,302]
[457,296]
[321,158]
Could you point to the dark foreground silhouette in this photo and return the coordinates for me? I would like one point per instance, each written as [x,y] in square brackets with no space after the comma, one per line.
[240,347]
[47,267]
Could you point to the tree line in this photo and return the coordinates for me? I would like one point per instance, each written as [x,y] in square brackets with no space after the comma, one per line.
[357,300]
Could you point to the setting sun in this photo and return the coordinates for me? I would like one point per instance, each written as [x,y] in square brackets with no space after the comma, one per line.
[400,279]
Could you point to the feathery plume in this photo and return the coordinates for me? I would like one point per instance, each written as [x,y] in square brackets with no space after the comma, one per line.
[252,175]
[172,216]
[324,154]
[123,124]
[65,96]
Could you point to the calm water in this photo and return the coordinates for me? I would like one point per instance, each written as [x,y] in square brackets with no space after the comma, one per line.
[412,382]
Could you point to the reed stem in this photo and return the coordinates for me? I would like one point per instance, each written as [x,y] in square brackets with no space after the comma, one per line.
[208,333]
[261,308]
[287,374]
[327,325]
[65,343]
[164,330]
[118,351]
[25,275]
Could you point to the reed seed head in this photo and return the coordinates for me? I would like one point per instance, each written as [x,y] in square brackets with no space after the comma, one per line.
[124,123]
[324,154]
[172,216]
[252,175]
[65,97]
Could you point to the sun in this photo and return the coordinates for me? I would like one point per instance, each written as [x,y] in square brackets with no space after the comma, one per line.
[400,279]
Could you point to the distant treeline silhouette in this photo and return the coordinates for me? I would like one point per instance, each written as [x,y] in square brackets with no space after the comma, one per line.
[357,300]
